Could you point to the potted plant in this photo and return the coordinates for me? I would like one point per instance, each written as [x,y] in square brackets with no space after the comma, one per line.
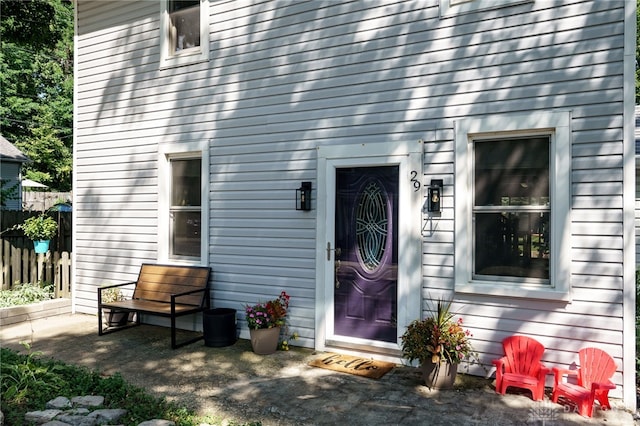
[39,229]
[440,344]
[265,321]
[113,317]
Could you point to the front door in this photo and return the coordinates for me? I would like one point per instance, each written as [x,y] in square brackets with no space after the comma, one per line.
[366,253]
[368,246]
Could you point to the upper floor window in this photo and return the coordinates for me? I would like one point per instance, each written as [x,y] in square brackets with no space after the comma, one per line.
[184,25]
[184,32]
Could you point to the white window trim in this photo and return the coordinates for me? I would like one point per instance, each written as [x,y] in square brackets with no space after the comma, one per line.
[188,56]
[167,152]
[449,8]
[555,124]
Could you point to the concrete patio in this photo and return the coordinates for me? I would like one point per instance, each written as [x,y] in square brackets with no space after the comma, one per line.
[280,389]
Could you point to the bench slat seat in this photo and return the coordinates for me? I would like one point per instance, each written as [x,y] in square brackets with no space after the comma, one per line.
[149,307]
[162,290]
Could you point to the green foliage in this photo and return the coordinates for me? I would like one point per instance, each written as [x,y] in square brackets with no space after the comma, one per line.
[27,382]
[24,294]
[38,228]
[36,76]
[112,295]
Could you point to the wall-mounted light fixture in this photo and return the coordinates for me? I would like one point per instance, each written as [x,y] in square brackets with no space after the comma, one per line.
[303,196]
[434,195]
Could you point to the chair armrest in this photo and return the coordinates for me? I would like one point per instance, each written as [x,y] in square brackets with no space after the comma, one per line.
[499,363]
[562,371]
[186,293]
[111,286]
[608,385]
[559,372]
[544,370]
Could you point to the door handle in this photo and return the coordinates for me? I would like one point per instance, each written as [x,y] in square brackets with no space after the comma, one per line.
[337,250]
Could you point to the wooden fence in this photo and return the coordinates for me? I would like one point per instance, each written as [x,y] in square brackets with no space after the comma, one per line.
[22,265]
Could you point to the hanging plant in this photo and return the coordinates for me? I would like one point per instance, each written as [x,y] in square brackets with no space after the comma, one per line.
[39,228]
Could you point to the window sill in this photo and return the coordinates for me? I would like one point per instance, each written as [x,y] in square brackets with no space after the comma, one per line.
[182,60]
[521,291]
[450,9]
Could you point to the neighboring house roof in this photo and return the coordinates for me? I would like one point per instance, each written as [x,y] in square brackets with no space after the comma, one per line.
[9,153]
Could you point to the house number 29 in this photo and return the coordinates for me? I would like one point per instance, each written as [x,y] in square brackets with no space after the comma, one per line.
[414,181]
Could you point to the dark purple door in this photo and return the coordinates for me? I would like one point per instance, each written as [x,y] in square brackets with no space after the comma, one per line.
[366,257]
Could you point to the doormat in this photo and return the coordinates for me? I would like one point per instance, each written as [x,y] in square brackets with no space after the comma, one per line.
[353,365]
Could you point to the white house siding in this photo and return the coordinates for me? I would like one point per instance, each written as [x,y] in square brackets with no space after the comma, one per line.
[286,77]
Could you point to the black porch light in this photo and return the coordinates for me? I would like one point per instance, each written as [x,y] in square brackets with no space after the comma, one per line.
[434,195]
[303,196]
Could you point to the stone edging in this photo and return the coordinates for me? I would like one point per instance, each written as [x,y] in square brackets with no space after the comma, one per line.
[47,308]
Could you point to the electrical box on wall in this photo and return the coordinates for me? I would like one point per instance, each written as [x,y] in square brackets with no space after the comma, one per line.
[434,196]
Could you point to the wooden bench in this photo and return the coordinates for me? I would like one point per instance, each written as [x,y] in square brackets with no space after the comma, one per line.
[162,290]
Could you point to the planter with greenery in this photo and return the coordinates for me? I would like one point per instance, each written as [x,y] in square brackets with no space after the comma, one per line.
[39,229]
[114,317]
[440,344]
[265,321]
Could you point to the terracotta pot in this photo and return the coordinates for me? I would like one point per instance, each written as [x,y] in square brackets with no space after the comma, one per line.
[439,375]
[264,341]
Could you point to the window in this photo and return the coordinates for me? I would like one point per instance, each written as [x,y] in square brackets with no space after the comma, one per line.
[184,25]
[511,208]
[184,35]
[183,189]
[185,210]
[512,205]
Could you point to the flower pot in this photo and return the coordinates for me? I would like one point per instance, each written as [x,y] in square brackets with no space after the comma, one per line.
[41,246]
[264,341]
[439,375]
[115,318]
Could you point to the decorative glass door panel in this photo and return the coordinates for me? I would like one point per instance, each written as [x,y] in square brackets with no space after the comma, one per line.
[366,253]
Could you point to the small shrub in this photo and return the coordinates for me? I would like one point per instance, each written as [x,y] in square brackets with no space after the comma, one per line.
[39,228]
[26,293]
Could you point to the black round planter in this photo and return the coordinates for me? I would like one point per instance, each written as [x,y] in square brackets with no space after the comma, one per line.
[219,326]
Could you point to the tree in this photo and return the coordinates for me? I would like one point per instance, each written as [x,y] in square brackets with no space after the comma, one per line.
[36,76]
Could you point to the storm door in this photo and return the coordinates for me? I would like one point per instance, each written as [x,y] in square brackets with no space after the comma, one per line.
[366,252]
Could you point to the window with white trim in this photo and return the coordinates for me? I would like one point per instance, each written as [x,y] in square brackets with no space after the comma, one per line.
[182,194]
[184,32]
[512,198]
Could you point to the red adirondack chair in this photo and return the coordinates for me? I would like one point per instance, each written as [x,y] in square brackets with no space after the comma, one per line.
[521,367]
[593,381]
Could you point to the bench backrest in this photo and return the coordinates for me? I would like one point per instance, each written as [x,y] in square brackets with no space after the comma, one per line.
[159,282]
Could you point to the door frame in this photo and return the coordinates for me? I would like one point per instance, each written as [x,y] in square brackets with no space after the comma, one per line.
[408,156]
